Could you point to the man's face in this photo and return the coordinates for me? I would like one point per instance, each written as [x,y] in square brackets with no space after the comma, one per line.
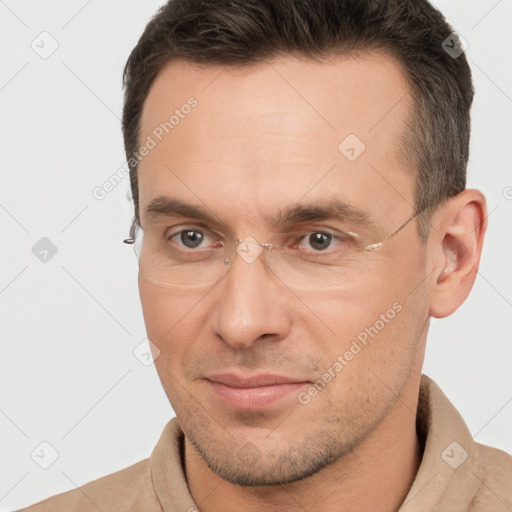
[258,141]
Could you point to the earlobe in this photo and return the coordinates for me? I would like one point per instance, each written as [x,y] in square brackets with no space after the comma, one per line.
[458,246]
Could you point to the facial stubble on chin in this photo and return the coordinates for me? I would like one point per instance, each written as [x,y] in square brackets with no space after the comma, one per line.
[242,462]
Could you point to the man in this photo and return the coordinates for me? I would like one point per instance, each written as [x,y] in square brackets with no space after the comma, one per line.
[298,170]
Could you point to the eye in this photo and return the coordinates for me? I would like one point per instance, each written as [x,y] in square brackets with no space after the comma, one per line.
[190,238]
[321,241]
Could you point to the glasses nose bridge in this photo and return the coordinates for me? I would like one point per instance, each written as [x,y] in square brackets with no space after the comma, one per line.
[247,249]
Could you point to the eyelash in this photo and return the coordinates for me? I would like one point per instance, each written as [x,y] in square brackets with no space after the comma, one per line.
[341,238]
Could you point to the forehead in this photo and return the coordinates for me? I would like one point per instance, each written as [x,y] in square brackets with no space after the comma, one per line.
[274,132]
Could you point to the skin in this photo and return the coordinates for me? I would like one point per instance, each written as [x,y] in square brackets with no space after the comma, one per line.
[260,139]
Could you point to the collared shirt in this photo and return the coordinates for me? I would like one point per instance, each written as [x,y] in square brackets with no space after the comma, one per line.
[456,473]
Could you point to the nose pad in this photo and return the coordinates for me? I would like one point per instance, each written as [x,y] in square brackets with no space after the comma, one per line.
[249,249]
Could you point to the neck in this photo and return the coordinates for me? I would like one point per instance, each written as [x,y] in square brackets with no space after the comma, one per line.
[376,475]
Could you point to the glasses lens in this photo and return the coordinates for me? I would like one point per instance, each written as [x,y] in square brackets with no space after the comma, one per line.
[312,260]
[167,264]
[163,264]
[305,271]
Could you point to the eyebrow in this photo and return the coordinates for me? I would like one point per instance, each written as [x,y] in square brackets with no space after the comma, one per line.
[296,213]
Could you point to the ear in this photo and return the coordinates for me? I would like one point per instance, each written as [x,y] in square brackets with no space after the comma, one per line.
[456,246]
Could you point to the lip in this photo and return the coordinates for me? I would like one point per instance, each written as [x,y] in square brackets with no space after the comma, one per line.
[253,393]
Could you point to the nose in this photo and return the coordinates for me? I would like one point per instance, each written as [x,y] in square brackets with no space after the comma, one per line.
[250,305]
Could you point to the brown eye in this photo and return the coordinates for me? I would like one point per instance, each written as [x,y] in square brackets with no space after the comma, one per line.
[320,241]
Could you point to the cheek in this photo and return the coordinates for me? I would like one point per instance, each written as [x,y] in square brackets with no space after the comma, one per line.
[155,308]
[172,321]
[375,324]
[173,325]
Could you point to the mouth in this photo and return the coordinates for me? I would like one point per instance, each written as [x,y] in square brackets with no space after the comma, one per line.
[253,393]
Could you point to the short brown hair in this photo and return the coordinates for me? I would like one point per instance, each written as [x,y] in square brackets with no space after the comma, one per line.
[245,32]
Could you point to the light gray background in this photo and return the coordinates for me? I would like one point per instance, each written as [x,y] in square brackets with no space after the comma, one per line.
[69,326]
